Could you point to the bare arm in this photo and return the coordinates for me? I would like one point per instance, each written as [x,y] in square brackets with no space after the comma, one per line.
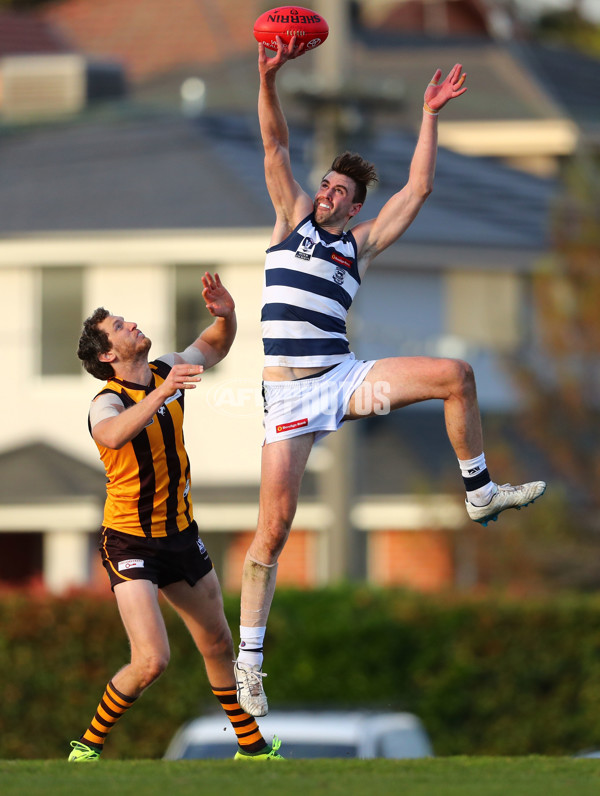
[120,425]
[115,425]
[401,209]
[216,340]
[290,202]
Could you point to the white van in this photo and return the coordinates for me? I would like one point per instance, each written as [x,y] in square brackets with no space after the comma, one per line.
[310,734]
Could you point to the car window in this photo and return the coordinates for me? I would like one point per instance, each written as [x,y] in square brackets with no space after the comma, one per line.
[401,743]
[212,751]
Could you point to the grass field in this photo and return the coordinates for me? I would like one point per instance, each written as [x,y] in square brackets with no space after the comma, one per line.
[454,776]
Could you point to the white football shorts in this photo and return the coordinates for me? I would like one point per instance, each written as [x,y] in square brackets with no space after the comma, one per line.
[318,404]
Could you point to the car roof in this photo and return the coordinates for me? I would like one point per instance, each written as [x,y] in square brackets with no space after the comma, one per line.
[343,726]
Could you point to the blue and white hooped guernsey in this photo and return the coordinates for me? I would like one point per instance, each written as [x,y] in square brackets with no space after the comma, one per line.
[311,279]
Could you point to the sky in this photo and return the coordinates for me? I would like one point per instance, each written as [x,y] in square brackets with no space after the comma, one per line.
[590,8]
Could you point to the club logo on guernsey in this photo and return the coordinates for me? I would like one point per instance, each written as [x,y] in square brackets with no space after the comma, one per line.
[306,248]
[338,276]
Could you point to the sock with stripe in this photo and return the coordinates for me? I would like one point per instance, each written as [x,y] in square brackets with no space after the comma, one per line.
[251,645]
[112,706]
[244,725]
[478,484]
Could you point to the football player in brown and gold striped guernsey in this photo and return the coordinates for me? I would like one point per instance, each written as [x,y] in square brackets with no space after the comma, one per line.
[149,537]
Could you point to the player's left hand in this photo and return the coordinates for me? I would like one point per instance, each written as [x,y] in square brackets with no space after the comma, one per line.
[218,299]
[438,94]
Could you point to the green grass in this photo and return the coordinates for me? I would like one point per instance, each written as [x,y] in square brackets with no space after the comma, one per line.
[451,776]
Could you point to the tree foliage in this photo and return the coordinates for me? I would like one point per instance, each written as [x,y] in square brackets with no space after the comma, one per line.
[562,378]
[571,28]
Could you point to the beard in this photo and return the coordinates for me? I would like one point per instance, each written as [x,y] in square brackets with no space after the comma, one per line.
[135,350]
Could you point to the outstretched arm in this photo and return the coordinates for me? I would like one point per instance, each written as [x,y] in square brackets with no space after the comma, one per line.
[216,340]
[290,202]
[401,209]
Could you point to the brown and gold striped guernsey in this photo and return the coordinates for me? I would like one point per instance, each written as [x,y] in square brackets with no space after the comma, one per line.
[148,489]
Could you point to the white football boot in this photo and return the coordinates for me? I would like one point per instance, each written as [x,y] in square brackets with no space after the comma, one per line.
[506,497]
[250,692]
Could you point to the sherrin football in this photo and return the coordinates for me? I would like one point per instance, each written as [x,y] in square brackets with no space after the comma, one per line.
[289,21]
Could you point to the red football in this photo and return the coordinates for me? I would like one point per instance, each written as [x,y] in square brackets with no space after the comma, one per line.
[289,21]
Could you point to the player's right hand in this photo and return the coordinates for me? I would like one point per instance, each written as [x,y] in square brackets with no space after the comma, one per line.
[285,52]
[182,377]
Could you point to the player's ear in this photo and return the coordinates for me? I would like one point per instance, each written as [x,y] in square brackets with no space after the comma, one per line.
[355,208]
[109,356]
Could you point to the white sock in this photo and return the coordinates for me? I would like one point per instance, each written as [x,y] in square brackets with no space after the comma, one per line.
[251,645]
[478,485]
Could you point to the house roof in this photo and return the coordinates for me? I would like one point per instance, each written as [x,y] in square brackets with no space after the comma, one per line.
[166,172]
[152,37]
[23,33]
[40,473]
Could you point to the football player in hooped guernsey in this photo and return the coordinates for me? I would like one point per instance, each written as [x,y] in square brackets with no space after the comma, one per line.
[149,539]
[312,381]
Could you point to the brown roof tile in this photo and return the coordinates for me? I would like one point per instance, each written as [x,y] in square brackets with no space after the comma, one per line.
[22,34]
[153,37]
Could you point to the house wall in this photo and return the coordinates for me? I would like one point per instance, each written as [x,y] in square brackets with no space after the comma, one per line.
[403,311]
[132,278]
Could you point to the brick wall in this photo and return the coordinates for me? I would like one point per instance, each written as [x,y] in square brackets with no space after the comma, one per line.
[297,563]
[421,560]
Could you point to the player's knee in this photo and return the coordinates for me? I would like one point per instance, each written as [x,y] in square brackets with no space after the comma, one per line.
[219,645]
[463,377]
[152,667]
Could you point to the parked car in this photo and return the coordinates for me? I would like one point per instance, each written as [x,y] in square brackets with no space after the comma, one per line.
[310,734]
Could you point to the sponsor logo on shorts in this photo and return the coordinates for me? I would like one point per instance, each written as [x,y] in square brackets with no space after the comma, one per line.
[289,426]
[130,563]
[201,547]
[338,258]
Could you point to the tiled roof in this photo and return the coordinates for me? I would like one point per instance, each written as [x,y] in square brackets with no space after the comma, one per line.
[22,33]
[151,37]
[40,473]
[165,172]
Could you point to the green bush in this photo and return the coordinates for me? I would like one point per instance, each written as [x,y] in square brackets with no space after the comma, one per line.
[486,676]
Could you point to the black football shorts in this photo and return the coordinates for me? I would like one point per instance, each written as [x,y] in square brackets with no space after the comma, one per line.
[164,560]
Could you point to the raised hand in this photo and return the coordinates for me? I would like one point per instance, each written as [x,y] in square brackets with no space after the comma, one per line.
[438,94]
[285,52]
[218,299]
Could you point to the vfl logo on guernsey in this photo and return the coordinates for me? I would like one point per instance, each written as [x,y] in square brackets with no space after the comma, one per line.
[306,248]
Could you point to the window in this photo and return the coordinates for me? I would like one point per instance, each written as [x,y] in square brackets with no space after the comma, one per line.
[61,320]
[484,308]
[191,315]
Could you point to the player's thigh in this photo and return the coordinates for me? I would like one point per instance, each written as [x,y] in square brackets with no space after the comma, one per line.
[201,608]
[137,601]
[400,381]
[282,467]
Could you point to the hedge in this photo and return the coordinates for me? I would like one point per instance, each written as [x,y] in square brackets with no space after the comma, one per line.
[493,676]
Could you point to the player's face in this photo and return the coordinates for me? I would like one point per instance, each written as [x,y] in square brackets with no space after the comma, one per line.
[334,201]
[126,340]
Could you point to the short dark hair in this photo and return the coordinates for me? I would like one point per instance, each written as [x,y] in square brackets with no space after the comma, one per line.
[92,343]
[358,169]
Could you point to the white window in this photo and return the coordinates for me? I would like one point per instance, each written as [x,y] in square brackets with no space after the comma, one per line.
[61,308]
[191,315]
